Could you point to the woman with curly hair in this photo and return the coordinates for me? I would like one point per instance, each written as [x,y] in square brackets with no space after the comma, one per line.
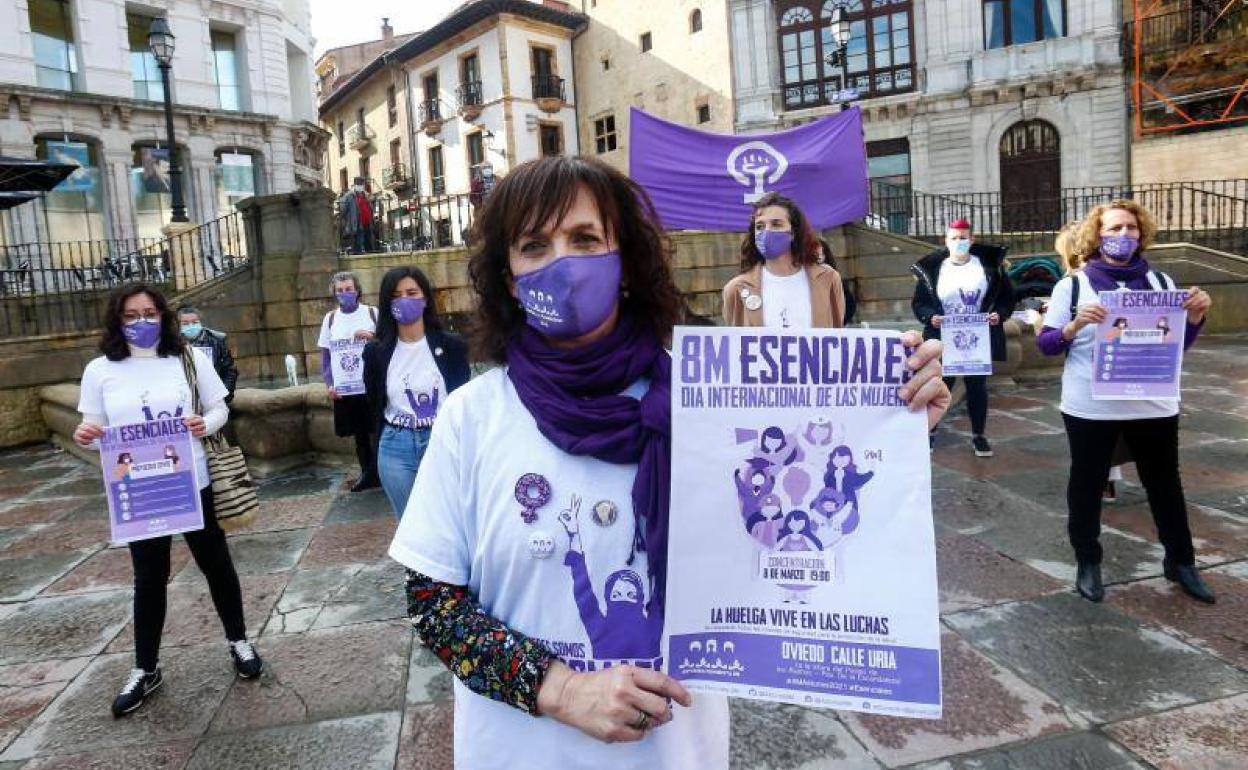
[576,302]
[783,280]
[1107,254]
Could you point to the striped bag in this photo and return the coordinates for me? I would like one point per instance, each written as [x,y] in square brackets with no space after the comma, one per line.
[233,491]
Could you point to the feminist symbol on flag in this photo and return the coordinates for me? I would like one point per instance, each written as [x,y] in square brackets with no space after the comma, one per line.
[756,164]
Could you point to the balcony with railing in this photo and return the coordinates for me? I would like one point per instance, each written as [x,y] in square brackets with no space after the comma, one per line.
[470,99]
[432,116]
[549,92]
[396,177]
[360,137]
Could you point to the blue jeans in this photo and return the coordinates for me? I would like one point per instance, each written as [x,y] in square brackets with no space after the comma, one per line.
[398,458]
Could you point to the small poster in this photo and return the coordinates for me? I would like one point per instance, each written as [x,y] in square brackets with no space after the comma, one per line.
[150,480]
[346,358]
[968,348]
[802,565]
[155,172]
[238,177]
[1139,345]
[73,154]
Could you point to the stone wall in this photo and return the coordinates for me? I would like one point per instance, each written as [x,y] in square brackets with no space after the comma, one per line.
[1190,157]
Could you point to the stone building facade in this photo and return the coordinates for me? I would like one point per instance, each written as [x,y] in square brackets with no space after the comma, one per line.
[487,87]
[668,57]
[78,83]
[1025,97]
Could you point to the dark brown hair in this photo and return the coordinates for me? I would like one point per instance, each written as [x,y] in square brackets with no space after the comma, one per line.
[113,343]
[804,243]
[538,191]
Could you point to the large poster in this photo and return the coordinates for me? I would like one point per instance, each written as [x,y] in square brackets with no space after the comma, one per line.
[155,173]
[149,477]
[968,348]
[238,177]
[801,562]
[1139,345]
[346,360]
[73,154]
[704,181]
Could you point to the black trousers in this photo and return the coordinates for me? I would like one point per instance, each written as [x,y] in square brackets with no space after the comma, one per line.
[151,580]
[976,400]
[1154,445]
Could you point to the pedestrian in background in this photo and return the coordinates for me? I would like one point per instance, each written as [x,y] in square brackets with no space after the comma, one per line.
[350,321]
[214,345]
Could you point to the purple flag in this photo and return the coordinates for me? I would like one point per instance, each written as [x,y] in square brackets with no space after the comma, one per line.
[702,181]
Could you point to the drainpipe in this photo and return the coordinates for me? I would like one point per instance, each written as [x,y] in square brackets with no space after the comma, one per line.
[576,104]
[414,150]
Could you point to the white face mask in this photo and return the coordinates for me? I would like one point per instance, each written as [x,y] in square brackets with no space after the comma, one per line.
[358,188]
[960,247]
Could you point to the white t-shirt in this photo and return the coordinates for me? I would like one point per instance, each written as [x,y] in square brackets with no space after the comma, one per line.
[1077,398]
[463,525]
[961,288]
[786,300]
[144,388]
[414,386]
[346,324]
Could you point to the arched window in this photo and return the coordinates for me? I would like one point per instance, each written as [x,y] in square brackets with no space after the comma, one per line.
[237,176]
[695,21]
[1014,22]
[878,59]
[1030,155]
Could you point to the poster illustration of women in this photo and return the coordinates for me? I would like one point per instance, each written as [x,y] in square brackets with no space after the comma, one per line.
[802,566]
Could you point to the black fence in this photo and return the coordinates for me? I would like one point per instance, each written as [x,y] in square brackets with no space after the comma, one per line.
[48,288]
[1207,213]
[430,222]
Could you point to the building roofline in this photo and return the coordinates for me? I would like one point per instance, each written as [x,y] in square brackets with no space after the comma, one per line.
[457,21]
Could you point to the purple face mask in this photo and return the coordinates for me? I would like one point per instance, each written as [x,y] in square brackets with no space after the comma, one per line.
[1119,246]
[571,296]
[407,310]
[348,301]
[142,333]
[773,243]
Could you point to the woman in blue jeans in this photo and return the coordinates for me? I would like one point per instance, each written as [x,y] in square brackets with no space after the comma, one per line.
[409,368]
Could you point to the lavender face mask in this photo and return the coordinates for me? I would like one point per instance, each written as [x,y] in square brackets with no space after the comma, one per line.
[348,301]
[142,333]
[773,243]
[571,296]
[407,310]
[1119,246]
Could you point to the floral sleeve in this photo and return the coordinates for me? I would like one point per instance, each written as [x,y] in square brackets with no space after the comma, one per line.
[487,656]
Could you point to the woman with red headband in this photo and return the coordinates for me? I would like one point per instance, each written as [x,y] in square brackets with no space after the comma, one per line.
[961,278]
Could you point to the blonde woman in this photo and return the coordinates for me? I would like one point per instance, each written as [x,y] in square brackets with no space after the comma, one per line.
[1107,254]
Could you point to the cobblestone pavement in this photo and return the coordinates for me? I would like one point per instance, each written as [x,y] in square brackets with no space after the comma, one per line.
[1034,677]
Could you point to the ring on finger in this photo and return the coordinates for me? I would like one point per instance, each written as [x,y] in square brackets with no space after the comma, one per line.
[642,721]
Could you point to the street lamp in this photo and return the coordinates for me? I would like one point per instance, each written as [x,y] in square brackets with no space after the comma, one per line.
[160,41]
[840,35]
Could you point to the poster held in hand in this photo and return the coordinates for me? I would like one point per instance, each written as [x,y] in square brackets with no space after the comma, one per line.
[149,479]
[968,348]
[1139,346]
[347,359]
[802,566]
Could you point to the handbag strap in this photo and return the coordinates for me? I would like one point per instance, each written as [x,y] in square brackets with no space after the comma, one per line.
[215,442]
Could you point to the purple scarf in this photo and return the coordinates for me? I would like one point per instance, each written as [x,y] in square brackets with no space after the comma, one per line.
[574,395]
[1106,277]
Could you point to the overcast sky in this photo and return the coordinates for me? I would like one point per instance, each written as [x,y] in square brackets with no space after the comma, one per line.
[343,22]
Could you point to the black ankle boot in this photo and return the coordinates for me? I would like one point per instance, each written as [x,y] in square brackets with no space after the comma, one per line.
[1190,581]
[1088,582]
[367,480]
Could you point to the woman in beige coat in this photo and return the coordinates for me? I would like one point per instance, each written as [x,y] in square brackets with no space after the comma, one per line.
[781,283]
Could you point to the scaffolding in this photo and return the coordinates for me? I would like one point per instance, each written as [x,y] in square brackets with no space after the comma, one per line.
[1189,64]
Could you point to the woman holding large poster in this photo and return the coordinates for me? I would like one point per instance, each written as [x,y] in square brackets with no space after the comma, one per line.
[140,378]
[965,278]
[1108,256]
[782,281]
[536,533]
[409,370]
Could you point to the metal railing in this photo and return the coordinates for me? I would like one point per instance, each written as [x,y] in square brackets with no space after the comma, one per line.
[430,112]
[396,177]
[430,222]
[1210,213]
[360,134]
[53,287]
[548,87]
[469,94]
[1194,24]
